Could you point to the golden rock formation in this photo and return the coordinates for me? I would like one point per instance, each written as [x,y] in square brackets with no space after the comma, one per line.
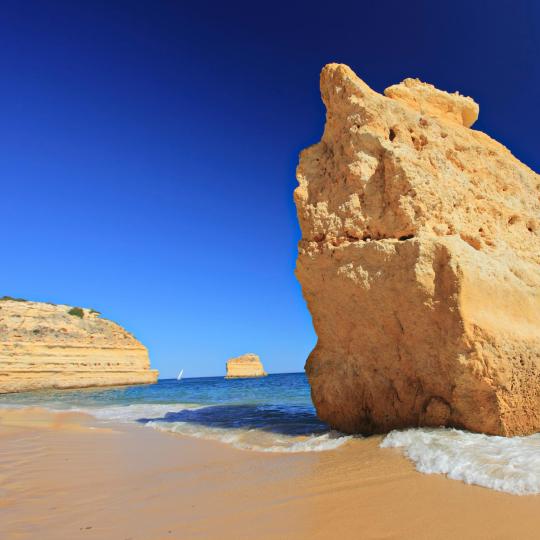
[246,366]
[56,346]
[420,264]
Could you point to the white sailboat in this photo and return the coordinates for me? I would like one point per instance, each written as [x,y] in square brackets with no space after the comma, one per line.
[180,375]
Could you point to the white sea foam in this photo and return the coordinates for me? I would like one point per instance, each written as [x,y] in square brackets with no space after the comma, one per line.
[505,464]
[136,411]
[256,439]
[315,443]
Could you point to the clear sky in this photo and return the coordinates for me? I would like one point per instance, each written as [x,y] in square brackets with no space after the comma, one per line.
[148,150]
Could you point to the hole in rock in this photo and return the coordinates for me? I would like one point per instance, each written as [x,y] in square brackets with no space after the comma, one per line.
[532,225]
[391,134]
[406,237]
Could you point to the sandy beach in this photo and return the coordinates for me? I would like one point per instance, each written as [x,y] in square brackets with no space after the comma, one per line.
[65,475]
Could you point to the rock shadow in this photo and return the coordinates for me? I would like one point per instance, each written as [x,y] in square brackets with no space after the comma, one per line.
[291,420]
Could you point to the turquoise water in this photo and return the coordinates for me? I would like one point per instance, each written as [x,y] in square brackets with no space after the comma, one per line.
[273,413]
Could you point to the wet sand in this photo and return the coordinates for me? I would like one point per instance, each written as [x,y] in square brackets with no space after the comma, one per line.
[66,476]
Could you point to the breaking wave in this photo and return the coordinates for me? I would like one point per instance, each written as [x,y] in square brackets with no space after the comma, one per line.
[132,413]
[256,440]
[508,464]
[263,428]
[257,428]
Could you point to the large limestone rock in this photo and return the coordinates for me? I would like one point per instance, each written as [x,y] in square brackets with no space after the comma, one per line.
[420,264]
[246,366]
[56,346]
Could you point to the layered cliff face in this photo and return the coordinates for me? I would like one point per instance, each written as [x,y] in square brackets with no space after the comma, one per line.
[420,264]
[246,366]
[55,346]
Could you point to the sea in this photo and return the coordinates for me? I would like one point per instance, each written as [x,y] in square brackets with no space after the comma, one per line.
[275,414]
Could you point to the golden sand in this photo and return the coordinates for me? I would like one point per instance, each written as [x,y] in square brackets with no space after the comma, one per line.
[61,478]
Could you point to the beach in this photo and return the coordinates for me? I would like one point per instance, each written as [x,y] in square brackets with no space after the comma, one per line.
[68,475]
[271,271]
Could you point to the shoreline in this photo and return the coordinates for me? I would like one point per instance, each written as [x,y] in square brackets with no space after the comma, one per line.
[68,475]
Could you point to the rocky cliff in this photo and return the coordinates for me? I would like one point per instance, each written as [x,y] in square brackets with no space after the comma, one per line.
[245,366]
[420,264]
[55,346]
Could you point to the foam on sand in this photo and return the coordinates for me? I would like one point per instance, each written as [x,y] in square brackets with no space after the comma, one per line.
[509,464]
[135,411]
[256,439]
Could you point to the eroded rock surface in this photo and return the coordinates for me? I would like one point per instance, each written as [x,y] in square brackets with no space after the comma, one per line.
[45,346]
[420,264]
[246,366]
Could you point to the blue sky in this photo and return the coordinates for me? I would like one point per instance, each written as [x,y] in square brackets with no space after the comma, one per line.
[148,150]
